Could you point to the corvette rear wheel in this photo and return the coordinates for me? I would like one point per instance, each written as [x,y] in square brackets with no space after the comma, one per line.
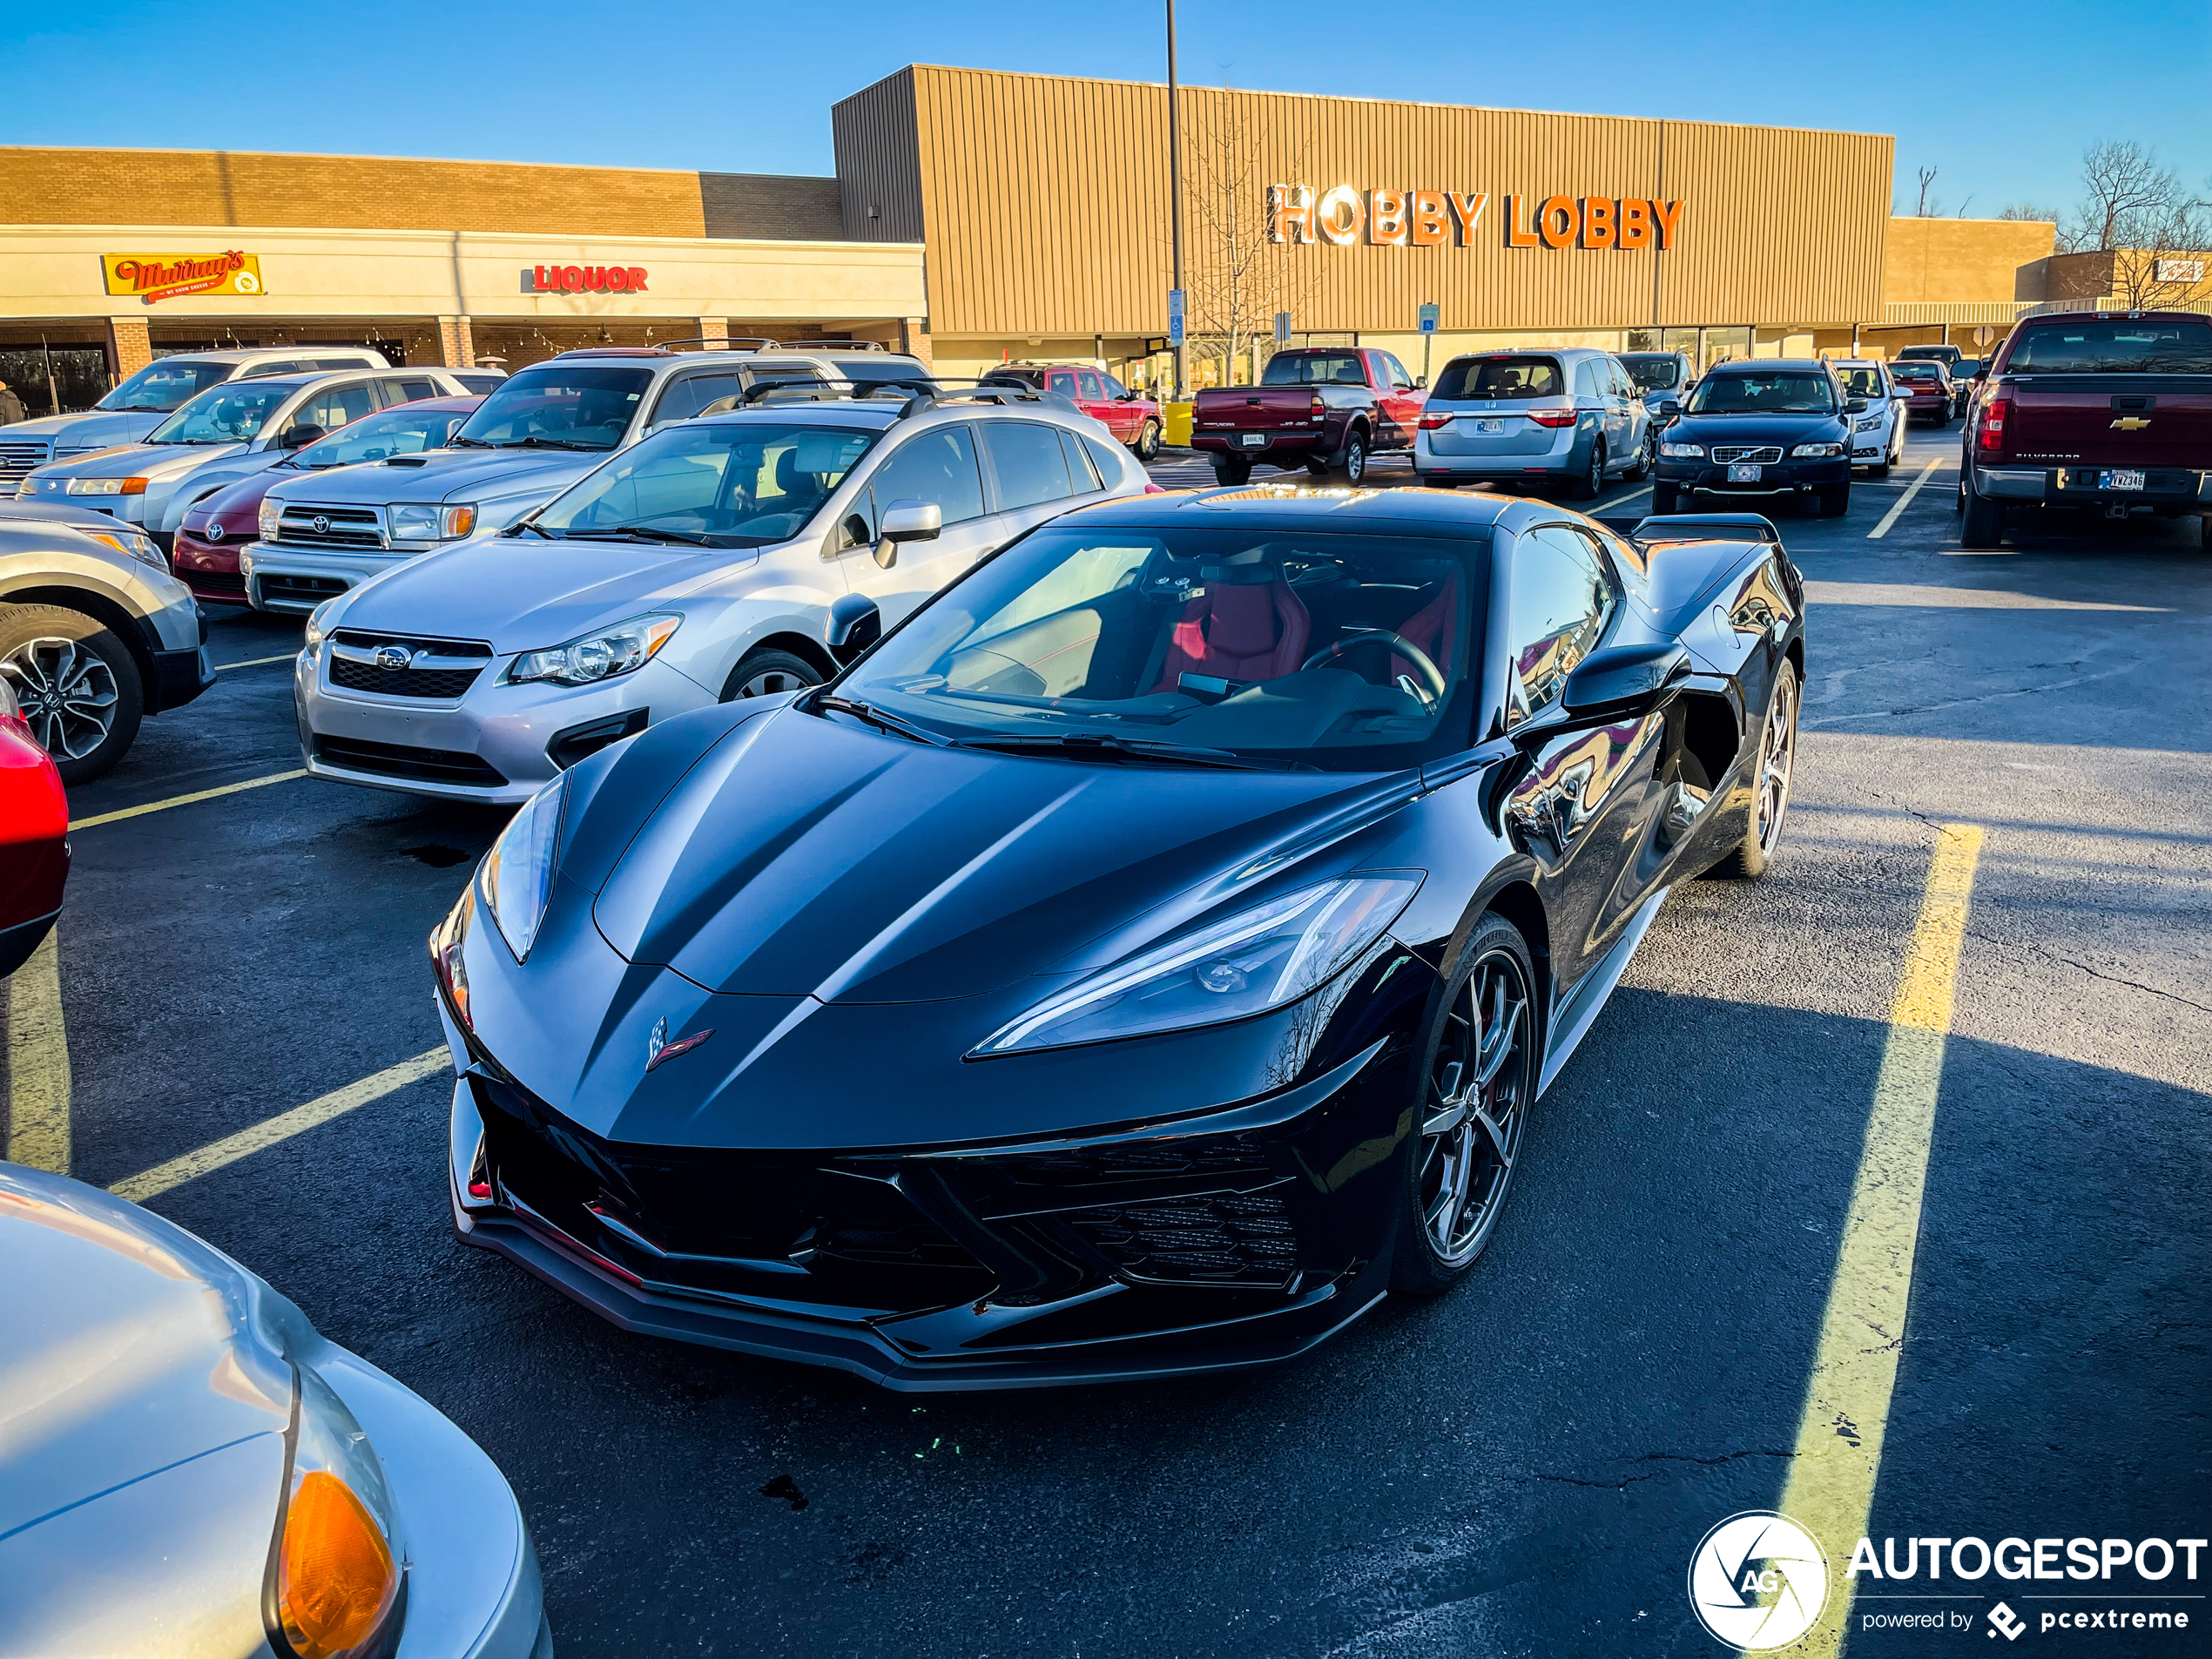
[1476,1090]
[1770,778]
[766,673]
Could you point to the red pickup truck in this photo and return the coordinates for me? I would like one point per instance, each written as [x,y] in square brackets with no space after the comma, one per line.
[2107,411]
[1317,407]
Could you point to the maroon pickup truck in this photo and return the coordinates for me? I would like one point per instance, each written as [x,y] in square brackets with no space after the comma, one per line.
[2107,411]
[1318,407]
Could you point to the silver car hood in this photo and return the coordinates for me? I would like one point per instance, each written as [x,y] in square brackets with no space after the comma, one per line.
[143,460]
[445,475]
[92,428]
[523,592]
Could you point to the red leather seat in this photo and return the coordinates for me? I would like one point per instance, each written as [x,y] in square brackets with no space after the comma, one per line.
[1238,631]
[1434,628]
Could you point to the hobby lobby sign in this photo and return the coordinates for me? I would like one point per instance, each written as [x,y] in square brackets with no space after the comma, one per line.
[1383,217]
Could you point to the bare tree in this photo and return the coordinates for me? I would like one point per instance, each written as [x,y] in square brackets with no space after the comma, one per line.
[1237,279]
[2123,190]
[2165,256]
[1928,208]
[2028,212]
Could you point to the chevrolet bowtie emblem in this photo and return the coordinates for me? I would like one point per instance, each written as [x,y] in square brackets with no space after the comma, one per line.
[658,1047]
[2132,422]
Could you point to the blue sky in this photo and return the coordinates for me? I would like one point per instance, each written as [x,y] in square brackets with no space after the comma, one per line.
[2001,99]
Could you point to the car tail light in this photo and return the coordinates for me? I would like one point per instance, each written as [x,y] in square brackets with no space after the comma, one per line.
[1430,423]
[1317,408]
[1990,434]
[1553,417]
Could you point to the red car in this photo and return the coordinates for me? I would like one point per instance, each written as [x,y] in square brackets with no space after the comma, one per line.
[1928,391]
[34,839]
[1130,416]
[208,540]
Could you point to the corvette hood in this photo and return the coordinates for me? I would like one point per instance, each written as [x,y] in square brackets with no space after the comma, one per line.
[445,475]
[802,856]
[94,430]
[523,592]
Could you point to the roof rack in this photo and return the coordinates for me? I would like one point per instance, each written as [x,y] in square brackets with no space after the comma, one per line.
[842,345]
[982,390]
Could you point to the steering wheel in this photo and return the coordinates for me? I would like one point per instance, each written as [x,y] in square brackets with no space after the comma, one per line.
[1432,677]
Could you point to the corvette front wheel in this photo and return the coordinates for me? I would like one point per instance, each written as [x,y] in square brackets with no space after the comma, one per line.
[1771,780]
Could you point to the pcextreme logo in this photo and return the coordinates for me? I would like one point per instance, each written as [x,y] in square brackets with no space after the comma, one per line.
[1758,1581]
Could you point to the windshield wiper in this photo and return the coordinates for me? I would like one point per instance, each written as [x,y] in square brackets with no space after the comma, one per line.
[888,722]
[536,442]
[468,443]
[632,533]
[1098,745]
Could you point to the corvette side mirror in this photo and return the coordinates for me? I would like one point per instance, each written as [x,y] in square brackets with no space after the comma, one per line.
[1621,677]
[854,625]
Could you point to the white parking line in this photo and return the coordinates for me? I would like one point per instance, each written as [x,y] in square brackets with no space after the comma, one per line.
[1642,489]
[256,662]
[1903,501]
[182,800]
[163,1177]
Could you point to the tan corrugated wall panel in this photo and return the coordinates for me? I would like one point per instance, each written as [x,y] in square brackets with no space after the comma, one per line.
[1044,200]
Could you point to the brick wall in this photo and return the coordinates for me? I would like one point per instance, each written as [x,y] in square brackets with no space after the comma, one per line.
[771,207]
[128,343]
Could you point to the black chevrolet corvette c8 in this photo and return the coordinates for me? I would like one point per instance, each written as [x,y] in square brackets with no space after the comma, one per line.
[1140,962]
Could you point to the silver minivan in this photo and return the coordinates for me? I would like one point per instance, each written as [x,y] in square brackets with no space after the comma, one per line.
[1533,415]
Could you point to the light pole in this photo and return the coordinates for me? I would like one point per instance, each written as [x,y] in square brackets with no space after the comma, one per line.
[1174,209]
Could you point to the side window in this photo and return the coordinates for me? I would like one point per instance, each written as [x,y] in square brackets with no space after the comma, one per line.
[1062,380]
[681,399]
[1398,377]
[1585,380]
[1080,473]
[334,406]
[1630,565]
[1091,389]
[937,466]
[1561,602]
[410,390]
[335,362]
[1026,461]
[1114,387]
[1108,459]
[256,371]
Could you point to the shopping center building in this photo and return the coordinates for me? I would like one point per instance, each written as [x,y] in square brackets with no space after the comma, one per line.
[977,216]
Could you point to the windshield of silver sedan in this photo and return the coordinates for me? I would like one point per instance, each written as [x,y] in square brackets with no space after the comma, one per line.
[230,413]
[710,483]
[1339,653]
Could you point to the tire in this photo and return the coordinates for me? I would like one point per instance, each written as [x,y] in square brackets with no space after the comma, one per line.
[1835,500]
[1879,470]
[77,684]
[1231,469]
[765,672]
[1663,499]
[1770,780]
[1985,522]
[1147,446]
[1647,458]
[2204,534]
[1355,457]
[1319,467]
[1456,1179]
[1590,484]
[1958,502]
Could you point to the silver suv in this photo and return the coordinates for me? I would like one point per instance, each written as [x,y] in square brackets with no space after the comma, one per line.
[544,427]
[1535,415]
[738,554]
[159,389]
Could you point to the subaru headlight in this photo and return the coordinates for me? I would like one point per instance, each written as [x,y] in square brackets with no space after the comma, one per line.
[1867,424]
[517,876]
[1682,451]
[413,521]
[136,544]
[335,1571]
[1258,959]
[320,622]
[623,649]
[1816,451]
[270,519]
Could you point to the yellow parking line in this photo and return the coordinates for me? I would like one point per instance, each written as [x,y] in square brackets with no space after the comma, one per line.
[182,800]
[1847,1398]
[165,1177]
[1903,501]
[37,1062]
[256,662]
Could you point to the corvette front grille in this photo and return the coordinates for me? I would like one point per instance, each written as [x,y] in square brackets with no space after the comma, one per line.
[1225,1239]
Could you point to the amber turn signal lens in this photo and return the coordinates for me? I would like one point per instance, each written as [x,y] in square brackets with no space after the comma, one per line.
[336,1579]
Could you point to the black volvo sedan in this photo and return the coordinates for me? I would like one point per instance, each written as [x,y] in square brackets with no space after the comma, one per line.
[1763,431]
[1142,960]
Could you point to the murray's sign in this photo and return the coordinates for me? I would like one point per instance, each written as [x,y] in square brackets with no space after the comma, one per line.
[1347,216]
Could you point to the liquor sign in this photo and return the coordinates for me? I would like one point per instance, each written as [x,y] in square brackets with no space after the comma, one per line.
[1384,217]
[152,277]
[584,279]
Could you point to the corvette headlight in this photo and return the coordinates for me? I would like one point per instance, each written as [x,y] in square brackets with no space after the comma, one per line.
[1257,960]
[517,873]
[591,657]
[428,521]
[107,486]
[1816,451]
[1682,451]
[137,545]
[337,1564]
[1867,424]
[319,622]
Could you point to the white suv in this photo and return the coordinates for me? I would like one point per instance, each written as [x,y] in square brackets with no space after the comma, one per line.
[1878,435]
[544,427]
[729,555]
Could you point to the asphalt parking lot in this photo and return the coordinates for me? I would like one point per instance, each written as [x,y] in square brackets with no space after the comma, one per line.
[1522,1468]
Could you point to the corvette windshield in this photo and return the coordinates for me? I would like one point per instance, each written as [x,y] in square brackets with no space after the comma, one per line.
[229,414]
[1777,392]
[744,483]
[1271,647]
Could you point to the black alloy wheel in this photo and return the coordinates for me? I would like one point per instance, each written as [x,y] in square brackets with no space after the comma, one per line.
[76,684]
[768,673]
[1355,457]
[1147,441]
[1231,469]
[1589,483]
[1771,780]
[1477,1087]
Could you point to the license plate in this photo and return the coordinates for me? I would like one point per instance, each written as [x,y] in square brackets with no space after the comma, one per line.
[2120,478]
[1251,440]
[1489,429]
[1742,473]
